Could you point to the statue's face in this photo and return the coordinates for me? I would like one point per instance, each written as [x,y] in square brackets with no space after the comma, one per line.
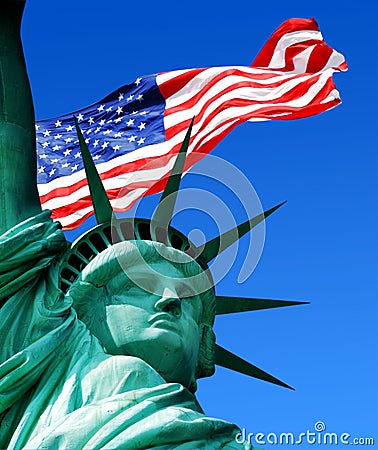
[154,317]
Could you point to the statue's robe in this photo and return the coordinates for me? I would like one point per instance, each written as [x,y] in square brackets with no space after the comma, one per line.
[58,389]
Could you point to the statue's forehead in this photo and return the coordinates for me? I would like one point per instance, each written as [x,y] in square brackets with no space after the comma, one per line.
[140,251]
[162,268]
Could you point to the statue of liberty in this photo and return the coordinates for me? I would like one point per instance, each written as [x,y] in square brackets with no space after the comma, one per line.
[102,343]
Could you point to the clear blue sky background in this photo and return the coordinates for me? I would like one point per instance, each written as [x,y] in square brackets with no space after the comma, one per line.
[321,247]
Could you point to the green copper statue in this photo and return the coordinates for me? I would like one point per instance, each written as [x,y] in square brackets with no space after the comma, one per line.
[101,345]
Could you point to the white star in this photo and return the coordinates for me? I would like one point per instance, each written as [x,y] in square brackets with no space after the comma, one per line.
[67,152]
[140,97]
[130,122]
[130,97]
[117,135]
[80,117]
[134,112]
[101,108]
[41,169]
[37,127]
[95,144]
[143,113]
[107,132]
[52,171]
[119,110]
[131,138]
[102,122]
[91,121]
[77,155]
[118,120]
[46,133]
[56,147]
[142,126]
[87,140]
[109,121]
[68,140]
[65,165]
[95,158]
[44,156]
[97,129]
[89,131]
[54,161]
[120,97]
[58,123]
[69,128]
[45,144]
[58,136]
[73,168]
[137,81]
[141,141]
[116,147]
[109,109]
[104,145]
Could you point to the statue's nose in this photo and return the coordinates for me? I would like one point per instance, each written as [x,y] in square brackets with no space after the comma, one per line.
[169,303]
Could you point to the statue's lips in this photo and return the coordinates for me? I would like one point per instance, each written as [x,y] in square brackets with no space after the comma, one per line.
[163,320]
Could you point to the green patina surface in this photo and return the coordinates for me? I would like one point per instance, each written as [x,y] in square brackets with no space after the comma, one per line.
[60,389]
[122,374]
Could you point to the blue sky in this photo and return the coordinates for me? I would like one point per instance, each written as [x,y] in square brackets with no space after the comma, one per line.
[320,247]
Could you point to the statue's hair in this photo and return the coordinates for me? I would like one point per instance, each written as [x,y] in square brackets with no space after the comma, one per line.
[93,282]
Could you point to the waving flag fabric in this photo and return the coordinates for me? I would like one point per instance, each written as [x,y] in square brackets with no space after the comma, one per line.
[135,133]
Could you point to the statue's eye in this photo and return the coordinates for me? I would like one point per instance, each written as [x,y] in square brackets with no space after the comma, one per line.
[128,288]
[133,289]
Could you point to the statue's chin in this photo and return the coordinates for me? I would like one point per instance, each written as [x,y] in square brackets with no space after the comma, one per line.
[162,348]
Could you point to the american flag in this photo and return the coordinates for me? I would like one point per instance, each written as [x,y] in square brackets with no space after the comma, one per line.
[135,133]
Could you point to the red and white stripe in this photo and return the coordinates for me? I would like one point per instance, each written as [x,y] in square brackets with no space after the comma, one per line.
[291,78]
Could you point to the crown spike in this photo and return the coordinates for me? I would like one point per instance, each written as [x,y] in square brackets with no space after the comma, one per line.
[164,212]
[231,361]
[217,245]
[227,305]
[101,204]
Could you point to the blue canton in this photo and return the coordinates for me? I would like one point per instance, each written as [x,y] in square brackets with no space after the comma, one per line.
[127,119]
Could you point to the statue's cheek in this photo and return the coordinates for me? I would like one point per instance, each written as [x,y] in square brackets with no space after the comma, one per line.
[125,322]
